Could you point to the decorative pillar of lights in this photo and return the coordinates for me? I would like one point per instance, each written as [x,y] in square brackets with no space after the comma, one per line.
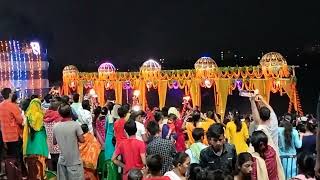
[7,62]
[150,70]
[17,62]
[31,65]
[35,46]
[273,64]
[206,69]
[11,63]
[1,64]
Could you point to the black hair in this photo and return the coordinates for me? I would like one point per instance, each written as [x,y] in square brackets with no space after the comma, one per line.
[135,174]
[164,111]
[179,158]
[135,114]
[122,111]
[154,163]
[58,98]
[126,107]
[25,104]
[65,99]
[14,97]
[153,128]
[173,117]
[264,113]
[287,133]
[76,97]
[54,105]
[196,115]
[5,92]
[47,98]
[86,104]
[215,131]
[217,175]
[196,172]
[158,116]
[65,110]
[306,163]
[243,158]
[259,138]
[237,120]
[197,134]
[210,114]
[110,106]
[34,96]
[130,127]
[85,128]
[311,126]
[104,111]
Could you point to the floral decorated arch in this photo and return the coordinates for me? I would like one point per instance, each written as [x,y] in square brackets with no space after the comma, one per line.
[272,75]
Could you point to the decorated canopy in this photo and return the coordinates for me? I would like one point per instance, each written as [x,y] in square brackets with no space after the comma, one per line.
[272,75]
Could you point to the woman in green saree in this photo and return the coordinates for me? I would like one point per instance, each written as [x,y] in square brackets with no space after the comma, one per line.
[34,134]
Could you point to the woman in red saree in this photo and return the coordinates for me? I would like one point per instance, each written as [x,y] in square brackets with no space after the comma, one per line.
[89,152]
[266,161]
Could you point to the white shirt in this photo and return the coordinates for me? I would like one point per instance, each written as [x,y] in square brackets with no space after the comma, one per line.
[85,117]
[172,175]
[273,127]
[141,130]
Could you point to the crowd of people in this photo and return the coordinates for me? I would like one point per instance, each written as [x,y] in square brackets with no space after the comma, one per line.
[79,140]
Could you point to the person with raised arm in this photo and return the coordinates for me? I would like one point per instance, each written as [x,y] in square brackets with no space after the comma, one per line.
[265,118]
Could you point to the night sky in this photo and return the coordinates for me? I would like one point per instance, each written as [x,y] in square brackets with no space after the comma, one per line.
[127,33]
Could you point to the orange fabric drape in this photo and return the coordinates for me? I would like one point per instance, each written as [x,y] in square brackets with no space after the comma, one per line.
[195,92]
[289,87]
[66,88]
[162,91]
[222,92]
[99,88]
[142,97]
[118,91]
[264,86]
[80,90]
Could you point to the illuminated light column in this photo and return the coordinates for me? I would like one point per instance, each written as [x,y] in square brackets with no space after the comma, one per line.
[19,61]
[1,70]
[7,62]
[12,79]
[31,69]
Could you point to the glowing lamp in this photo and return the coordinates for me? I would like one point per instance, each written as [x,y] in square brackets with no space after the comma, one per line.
[274,63]
[70,71]
[136,93]
[35,46]
[186,98]
[205,66]
[136,108]
[106,70]
[207,83]
[150,69]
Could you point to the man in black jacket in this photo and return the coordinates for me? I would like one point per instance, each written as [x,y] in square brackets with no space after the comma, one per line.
[220,154]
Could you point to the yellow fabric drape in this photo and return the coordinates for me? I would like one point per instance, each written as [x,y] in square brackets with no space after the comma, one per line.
[289,88]
[65,88]
[80,89]
[222,92]
[162,91]
[99,88]
[264,86]
[195,92]
[118,91]
[142,97]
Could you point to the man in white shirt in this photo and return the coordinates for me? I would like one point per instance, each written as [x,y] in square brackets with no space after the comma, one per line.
[138,117]
[265,117]
[85,116]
